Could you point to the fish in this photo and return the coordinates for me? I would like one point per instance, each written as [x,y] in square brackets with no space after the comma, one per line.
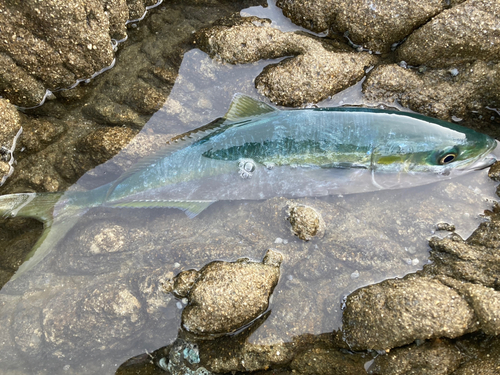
[256,151]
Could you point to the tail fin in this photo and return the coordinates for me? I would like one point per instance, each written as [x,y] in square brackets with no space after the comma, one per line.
[38,206]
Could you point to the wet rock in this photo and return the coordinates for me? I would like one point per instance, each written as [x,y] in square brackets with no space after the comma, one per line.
[250,39]
[184,281]
[375,25]
[9,123]
[306,221]
[397,312]
[62,51]
[464,33]
[104,143]
[107,112]
[483,362]
[9,128]
[445,227]
[435,93]
[475,260]
[39,133]
[227,296]
[485,302]
[97,318]
[431,358]
[310,77]
[328,361]
[494,171]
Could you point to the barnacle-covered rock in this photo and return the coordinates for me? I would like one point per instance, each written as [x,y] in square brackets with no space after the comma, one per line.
[397,312]
[319,69]
[9,128]
[306,221]
[437,92]
[53,44]
[375,25]
[226,296]
[465,33]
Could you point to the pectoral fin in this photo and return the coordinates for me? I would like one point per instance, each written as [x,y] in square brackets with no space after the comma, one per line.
[190,208]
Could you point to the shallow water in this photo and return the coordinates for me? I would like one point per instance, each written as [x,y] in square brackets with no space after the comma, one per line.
[95,300]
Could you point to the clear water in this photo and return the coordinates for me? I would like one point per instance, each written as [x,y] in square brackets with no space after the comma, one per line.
[95,300]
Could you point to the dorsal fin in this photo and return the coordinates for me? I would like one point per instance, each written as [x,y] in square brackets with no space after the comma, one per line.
[244,106]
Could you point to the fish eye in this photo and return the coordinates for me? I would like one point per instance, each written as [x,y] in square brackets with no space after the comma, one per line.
[448,158]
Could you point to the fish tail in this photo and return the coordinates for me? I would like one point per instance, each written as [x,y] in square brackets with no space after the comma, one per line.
[35,205]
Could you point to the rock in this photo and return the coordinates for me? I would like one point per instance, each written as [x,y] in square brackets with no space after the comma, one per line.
[475,260]
[435,93]
[494,172]
[485,362]
[104,143]
[39,133]
[397,312]
[306,221]
[464,33]
[250,39]
[184,282]
[431,358]
[485,302]
[62,52]
[226,296]
[375,25]
[9,127]
[310,77]
[328,361]
[102,317]
[9,123]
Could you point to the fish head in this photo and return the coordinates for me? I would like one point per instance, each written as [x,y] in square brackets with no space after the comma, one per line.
[473,152]
[438,150]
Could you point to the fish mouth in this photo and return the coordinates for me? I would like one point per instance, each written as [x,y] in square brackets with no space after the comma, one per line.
[483,163]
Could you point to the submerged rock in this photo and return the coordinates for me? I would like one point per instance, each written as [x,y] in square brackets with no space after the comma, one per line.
[464,33]
[226,296]
[306,221]
[104,143]
[437,357]
[319,70]
[327,361]
[397,312]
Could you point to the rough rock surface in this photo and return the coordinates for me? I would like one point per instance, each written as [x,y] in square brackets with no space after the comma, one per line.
[65,40]
[327,361]
[316,73]
[431,358]
[375,25]
[306,222]
[494,172]
[485,302]
[438,93]
[464,33]
[476,260]
[484,359]
[226,296]
[397,312]
[104,143]
[9,126]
